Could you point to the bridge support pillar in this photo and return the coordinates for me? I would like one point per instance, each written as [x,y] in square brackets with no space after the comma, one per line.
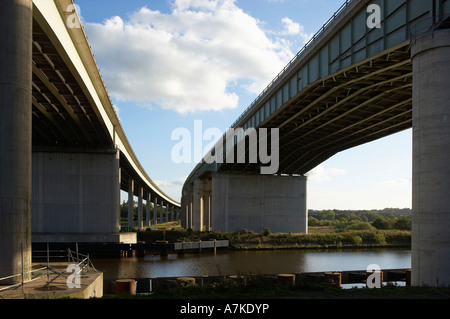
[431,160]
[197,214]
[201,205]
[161,212]
[207,209]
[254,202]
[187,208]
[155,211]
[130,203]
[76,197]
[140,212]
[15,138]
[148,222]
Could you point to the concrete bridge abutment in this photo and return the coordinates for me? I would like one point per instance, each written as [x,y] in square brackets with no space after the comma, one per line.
[431,160]
[230,202]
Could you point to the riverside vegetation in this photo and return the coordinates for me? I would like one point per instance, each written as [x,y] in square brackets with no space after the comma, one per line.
[330,229]
[327,229]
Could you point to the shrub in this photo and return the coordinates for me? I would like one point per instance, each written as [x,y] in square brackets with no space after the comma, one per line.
[379,238]
[402,223]
[266,231]
[381,223]
[360,226]
[357,240]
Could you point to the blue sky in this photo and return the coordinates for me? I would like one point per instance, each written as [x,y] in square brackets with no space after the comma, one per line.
[167,63]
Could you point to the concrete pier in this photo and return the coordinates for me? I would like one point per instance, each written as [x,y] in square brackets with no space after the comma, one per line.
[15,137]
[431,160]
[76,197]
[254,202]
[55,286]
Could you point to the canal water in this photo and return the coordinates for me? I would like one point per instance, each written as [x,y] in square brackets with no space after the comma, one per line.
[255,262]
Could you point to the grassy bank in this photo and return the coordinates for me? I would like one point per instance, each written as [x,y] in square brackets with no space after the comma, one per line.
[316,239]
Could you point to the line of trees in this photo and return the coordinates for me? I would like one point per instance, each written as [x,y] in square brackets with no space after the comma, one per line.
[386,219]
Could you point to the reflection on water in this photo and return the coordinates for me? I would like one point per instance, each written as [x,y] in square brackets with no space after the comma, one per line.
[258,262]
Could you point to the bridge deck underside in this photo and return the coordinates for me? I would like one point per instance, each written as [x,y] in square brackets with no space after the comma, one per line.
[62,113]
[64,116]
[360,104]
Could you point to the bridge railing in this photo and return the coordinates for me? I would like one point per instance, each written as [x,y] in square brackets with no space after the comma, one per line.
[83,263]
[430,25]
[291,62]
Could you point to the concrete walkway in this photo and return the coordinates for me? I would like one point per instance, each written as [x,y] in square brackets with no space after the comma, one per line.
[55,286]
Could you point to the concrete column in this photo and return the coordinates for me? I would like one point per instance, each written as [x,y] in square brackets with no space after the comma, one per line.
[197,206]
[155,210]
[254,202]
[190,201]
[207,210]
[15,137]
[147,211]
[431,160]
[130,202]
[184,209]
[140,212]
[161,212]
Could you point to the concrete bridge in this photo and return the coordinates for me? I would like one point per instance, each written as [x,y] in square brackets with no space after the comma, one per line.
[64,156]
[64,160]
[353,83]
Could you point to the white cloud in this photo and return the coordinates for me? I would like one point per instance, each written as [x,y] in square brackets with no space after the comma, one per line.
[187,60]
[168,184]
[295,29]
[396,182]
[320,174]
[292,27]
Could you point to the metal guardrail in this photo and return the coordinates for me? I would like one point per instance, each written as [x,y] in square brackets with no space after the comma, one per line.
[429,25]
[82,262]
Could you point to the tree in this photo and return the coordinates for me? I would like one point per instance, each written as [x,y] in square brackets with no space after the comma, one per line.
[402,223]
[381,223]
[328,215]
[312,221]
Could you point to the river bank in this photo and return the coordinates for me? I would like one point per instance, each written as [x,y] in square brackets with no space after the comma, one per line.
[248,240]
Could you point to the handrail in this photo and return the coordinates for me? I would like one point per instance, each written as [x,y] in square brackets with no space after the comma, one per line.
[83,263]
[429,25]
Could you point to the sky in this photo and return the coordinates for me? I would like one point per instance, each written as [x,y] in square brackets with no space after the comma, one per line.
[169,63]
